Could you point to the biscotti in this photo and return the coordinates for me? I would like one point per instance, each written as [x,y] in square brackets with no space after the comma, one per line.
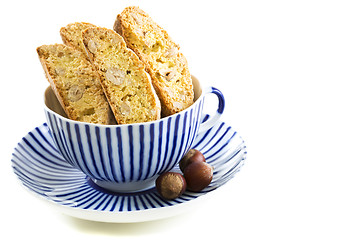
[71,35]
[167,67]
[75,83]
[123,77]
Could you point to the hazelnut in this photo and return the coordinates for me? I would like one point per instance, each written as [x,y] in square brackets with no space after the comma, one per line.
[193,155]
[170,185]
[92,46]
[60,71]
[178,105]
[124,109]
[167,74]
[171,52]
[198,175]
[136,18]
[76,92]
[115,75]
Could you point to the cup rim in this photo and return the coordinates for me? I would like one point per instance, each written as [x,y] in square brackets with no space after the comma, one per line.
[126,124]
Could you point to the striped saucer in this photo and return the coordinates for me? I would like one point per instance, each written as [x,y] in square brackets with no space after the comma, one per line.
[44,172]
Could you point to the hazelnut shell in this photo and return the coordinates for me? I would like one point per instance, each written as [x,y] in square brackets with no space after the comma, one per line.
[170,185]
[193,155]
[198,175]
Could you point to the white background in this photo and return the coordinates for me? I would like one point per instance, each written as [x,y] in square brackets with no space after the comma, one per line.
[289,72]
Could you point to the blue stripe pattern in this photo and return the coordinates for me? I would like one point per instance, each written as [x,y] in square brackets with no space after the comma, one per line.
[41,168]
[113,153]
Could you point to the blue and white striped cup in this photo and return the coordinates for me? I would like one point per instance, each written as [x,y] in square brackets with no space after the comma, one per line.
[129,157]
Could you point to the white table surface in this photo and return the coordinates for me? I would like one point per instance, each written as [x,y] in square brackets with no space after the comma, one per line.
[289,71]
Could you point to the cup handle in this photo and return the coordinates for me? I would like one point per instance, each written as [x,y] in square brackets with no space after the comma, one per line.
[221,105]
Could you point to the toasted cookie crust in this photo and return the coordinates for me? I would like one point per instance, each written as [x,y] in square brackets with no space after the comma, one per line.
[71,35]
[126,84]
[75,83]
[167,67]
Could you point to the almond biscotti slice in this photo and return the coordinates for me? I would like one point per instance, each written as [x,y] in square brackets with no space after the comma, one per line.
[167,67]
[75,83]
[123,77]
[71,35]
